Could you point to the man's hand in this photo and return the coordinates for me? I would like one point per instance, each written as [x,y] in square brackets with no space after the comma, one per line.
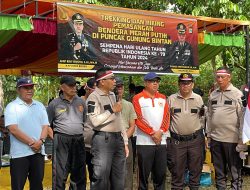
[126,150]
[4,131]
[156,137]
[240,142]
[77,46]
[36,146]
[117,107]
[50,133]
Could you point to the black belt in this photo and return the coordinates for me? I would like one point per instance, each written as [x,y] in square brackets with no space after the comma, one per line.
[187,137]
[66,135]
[105,133]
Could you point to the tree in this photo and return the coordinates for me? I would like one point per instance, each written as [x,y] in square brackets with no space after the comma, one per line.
[230,9]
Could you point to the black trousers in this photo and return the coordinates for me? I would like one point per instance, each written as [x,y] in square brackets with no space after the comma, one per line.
[89,157]
[108,152]
[186,155]
[129,168]
[225,157]
[68,157]
[133,140]
[29,166]
[152,158]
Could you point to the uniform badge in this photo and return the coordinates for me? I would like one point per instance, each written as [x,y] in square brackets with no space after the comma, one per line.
[185,76]
[78,17]
[85,45]
[160,104]
[80,108]
[61,110]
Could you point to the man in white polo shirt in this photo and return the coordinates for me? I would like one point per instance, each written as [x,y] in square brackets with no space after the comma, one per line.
[27,122]
[152,123]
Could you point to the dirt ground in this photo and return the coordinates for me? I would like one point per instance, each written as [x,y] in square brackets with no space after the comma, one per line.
[246,183]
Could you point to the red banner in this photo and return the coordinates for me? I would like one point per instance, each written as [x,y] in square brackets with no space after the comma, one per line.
[127,40]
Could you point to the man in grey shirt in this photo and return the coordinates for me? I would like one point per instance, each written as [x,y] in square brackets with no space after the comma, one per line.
[67,115]
[224,130]
[109,143]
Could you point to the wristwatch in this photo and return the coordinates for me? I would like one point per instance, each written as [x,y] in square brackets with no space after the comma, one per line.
[43,140]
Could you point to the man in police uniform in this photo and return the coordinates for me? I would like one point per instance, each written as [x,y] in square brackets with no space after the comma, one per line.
[67,115]
[109,143]
[187,141]
[180,52]
[77,46]
[224,130]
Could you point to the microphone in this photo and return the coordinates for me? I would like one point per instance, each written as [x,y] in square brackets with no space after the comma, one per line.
[202,111]
[244,101]
[116,94]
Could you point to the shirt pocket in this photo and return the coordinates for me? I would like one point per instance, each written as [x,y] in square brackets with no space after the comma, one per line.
[61,110]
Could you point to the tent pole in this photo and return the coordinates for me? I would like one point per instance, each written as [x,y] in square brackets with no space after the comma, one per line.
[36,3]
[15,8]
[247,54]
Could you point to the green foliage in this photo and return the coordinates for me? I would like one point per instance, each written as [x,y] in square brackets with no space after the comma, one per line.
[213,8]
[155,5]
[169,84]
[46,88]
[9,88]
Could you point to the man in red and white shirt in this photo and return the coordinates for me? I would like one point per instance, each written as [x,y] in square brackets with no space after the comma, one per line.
[152,123]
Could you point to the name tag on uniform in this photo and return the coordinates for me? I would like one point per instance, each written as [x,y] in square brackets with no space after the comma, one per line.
[228,102]
[177,110]
[194,110]
[108,107]
[214,102]
[91,107]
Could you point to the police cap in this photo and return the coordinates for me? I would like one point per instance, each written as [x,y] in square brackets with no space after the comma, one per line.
[77,18]
[119,81]
[68,80]
[186,77]
[181,28]
[91,83]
